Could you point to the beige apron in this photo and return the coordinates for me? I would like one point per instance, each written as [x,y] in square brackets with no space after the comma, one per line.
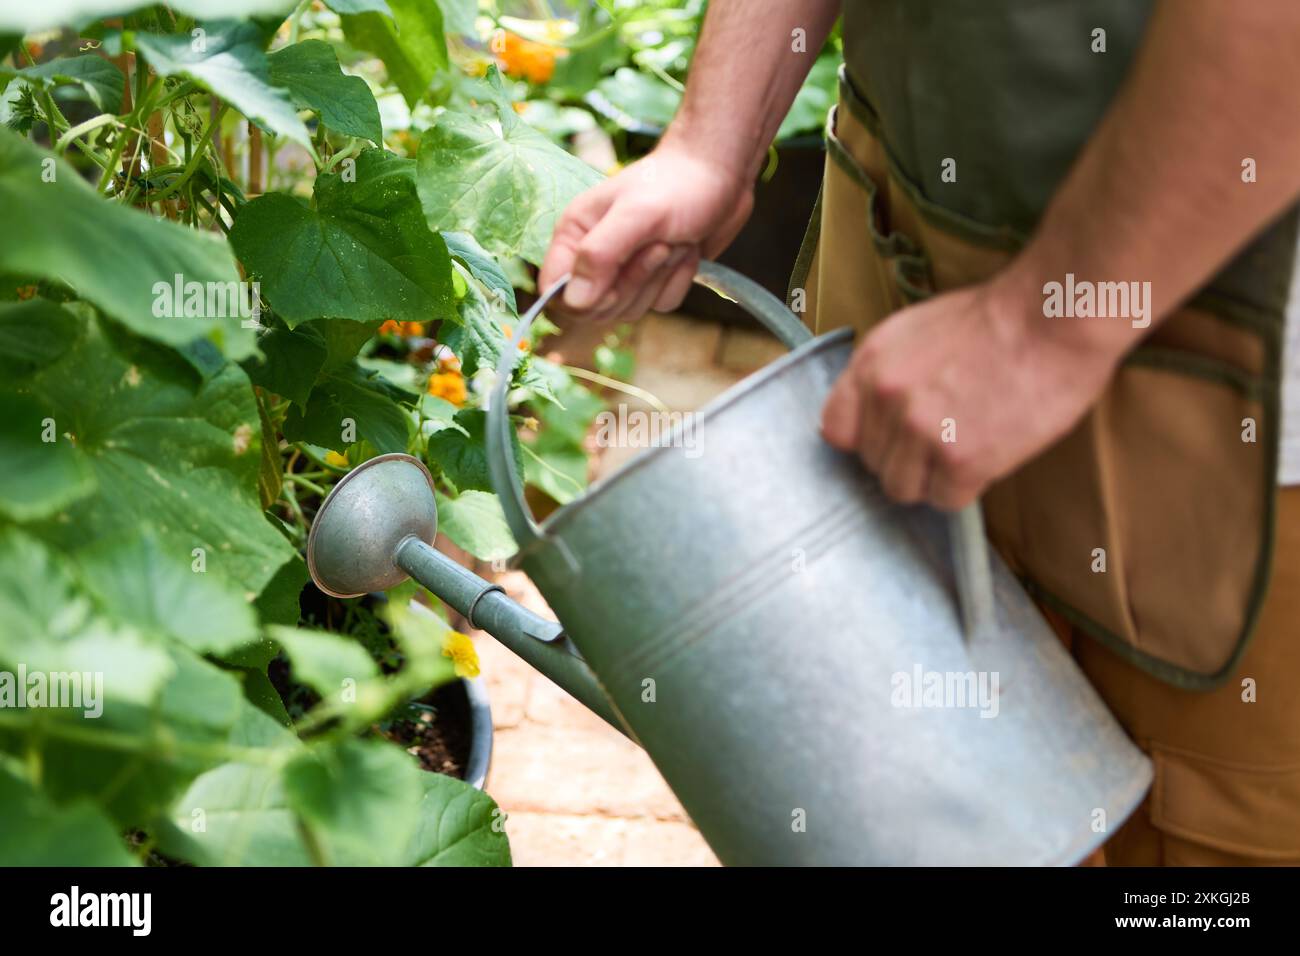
[1156,480]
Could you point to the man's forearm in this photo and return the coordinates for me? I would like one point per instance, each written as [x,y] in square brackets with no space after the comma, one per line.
[745,74]
[1158,194]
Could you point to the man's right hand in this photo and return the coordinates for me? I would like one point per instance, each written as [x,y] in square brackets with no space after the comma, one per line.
[633,242]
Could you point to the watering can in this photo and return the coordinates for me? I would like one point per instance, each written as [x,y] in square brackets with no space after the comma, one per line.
[822,676]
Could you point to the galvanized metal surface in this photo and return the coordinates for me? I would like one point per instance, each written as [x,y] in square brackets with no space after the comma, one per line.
[773,631]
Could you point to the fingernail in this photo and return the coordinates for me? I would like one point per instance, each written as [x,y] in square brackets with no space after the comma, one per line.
[579,293]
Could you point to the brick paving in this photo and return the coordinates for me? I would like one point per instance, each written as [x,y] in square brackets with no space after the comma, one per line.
[575,791]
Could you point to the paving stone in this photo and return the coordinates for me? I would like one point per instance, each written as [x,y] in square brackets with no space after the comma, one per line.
[746,350]
[676,343]
[553,839]
[541,768]
[508,680]
[548,703]
[685,391]
[650,842]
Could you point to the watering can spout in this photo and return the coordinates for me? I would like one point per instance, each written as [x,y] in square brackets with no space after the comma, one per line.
[359,544]
[540,642]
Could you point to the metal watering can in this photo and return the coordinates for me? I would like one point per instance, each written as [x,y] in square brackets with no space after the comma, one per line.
[821,676]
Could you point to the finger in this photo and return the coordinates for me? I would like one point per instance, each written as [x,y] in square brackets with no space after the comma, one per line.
[653,287]
[905,473]
[948,494]
[605,251]
[842,412]
[583,212]
[679,283]
[629,289]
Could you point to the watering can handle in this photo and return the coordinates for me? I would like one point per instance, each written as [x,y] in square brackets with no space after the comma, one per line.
[965,528]
[748,294]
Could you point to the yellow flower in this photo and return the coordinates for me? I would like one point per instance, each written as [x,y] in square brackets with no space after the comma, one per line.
[335,460]
[449,386]
[461,650]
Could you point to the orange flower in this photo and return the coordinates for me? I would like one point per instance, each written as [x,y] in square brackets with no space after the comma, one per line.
[26,292]
[449,386]
[529,59]
[413,329]
[522,345]
[391,327]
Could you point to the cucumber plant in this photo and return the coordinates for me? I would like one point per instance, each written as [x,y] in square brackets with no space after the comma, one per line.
[227,275]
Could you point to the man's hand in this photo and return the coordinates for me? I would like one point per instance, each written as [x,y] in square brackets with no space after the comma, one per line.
[633,242]
[947,396]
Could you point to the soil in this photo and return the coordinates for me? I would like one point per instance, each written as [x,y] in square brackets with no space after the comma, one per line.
[440,740]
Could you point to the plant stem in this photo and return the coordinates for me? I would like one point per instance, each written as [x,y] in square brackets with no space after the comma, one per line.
[618,386]
[193,164]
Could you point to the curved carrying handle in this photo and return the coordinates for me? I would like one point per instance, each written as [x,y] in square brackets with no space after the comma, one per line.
[965,529]
[748,294]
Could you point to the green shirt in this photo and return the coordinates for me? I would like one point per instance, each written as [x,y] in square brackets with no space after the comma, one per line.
[1011,90]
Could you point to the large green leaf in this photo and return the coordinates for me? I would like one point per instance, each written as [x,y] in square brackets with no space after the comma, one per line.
[349,405]
[136,581]
[364,252]
[227,59]
[172,456]
[101,80]
[359,6]
[459,826]
[39,477]
[411,44]
[236,814]
[359,800]
[33,17]
[310,71]
[70,235]
[506,186]
[474,521]
[34,832]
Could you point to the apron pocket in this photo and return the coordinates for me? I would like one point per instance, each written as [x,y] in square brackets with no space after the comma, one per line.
[1243,809]
[1142,527]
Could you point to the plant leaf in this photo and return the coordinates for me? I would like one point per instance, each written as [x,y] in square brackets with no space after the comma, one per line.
[461,452]
[136,581]
[310,71]
[324,661]
[504,187]
[227,59]
[108,253]
[411,43]
[102,81]
[363,253]
[459,826]
[346,395]
[172,456]
[358,798]
[474,521]
[39,478]
[34,832]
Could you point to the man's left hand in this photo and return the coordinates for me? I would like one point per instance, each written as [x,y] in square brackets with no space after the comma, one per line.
[946,396]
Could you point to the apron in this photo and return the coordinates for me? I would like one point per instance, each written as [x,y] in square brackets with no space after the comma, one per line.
[1156,480]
